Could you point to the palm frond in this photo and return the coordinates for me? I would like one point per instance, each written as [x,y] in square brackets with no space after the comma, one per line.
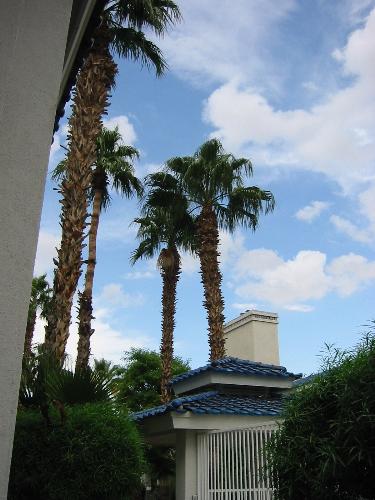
[244,205]
[132,44]
[59,171]
[156,15]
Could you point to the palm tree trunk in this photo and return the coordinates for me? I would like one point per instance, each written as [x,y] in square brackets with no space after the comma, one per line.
[85,299]
[89,104]
[170,264]
[208,238]
[30,326]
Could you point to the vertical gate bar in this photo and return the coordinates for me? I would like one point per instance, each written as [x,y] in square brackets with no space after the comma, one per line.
[236,453]
[246,465]
[225,467]
[210,465]
[207,486]
[249,462]
[221,465]
[199,464]
[232,461]
[253,465]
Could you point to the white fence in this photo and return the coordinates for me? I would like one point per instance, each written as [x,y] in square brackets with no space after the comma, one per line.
[231,464]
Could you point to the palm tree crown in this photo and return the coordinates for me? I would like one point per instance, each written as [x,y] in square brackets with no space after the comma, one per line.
[125,22]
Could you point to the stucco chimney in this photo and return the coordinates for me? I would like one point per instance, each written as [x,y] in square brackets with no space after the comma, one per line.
[253,336]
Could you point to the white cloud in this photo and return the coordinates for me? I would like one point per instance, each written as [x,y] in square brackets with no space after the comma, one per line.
[46,251]
[335,137]
[221,40]
[106,342]
[125,127]
[116,229]
[312,211]
[244,307]
[363,232]
[350,273]
[354,232]
[290,284]
[114,295]
[144,169]
[139,275]
[189,263]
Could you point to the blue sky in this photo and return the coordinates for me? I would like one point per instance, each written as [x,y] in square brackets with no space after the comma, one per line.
[291,85]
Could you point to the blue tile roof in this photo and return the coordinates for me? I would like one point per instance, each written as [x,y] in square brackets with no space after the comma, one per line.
[215,403]
[240,367]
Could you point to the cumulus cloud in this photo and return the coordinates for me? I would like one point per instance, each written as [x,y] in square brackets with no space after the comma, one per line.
[114,295]
[125,127]
[352,230]
[107,341]
[292,283]
[220,40]
[312,211]
[334,137]
[363,231]
[244,307]
[46,251]
[139,275]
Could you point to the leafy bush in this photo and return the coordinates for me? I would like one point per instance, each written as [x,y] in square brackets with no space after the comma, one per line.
[97,454]
[139,384]
[326,447]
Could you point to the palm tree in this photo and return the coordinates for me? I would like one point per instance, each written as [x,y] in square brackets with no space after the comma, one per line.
[214,185]
[119,32]
[112,169]
[40,299]
[165,231]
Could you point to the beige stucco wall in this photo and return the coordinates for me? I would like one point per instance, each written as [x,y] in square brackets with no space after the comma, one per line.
[33,40]
[253,337]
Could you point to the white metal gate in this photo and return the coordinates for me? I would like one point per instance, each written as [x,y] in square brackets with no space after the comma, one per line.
[231,464]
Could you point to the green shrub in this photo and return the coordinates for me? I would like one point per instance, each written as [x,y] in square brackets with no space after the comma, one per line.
[97,454]
[326,447]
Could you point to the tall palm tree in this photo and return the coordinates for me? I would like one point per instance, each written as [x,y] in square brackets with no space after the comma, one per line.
[119,32]
[40,299]
[112,169]
[214,185]
[165,231]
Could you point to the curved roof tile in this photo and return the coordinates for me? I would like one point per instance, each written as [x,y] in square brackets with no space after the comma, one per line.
[215,403]
[240,367]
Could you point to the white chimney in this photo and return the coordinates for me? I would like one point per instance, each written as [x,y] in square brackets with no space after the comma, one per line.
[253,336]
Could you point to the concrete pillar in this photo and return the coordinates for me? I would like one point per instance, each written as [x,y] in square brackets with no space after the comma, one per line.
[34,34]
[186,465]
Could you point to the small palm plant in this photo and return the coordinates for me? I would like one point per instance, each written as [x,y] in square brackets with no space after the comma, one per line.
[120,32]
[213,182]
[40,300]
[113,169]
[164,231]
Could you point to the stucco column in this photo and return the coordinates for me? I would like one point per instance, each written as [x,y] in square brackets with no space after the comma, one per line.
[33,40]
[186,465]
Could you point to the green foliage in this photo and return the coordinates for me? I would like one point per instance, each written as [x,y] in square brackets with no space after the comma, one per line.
[44,381]
[96,455]
[113,168]
[126,20]
[212,177]
[139,386]
[326,446]
[40,297]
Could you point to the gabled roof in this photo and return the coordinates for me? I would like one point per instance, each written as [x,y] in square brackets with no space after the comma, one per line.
[240,367]
[216,403]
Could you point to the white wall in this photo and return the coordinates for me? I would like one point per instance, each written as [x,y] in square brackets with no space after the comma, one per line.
[253,336]
[33,40]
